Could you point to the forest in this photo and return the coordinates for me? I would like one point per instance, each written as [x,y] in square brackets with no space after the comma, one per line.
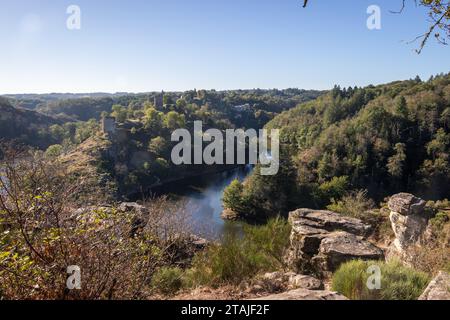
[138,157]
[380,139]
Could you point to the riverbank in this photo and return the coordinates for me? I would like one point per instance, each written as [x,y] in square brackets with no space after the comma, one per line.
[199,199]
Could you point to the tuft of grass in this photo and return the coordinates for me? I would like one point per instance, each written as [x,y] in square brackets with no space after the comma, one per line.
[355,204]
[397,281]
[168,280]
[241,257]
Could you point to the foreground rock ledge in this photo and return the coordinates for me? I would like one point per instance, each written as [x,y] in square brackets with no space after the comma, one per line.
[304,294]
[322,240]
[438,289]
[328,221]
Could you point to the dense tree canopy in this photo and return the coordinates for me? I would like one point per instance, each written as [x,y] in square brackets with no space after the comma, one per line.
[386,139]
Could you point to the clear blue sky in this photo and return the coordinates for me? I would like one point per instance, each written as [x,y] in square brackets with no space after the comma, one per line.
[146,45]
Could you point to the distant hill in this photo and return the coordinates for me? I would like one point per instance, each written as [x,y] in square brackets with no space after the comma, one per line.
[81,109]
[25,126]
[86,106]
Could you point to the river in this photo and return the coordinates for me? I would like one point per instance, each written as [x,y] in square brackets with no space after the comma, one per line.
[201,201]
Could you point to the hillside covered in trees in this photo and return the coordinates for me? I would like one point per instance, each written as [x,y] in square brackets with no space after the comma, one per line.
[138,155]
[25,126]
[383,139]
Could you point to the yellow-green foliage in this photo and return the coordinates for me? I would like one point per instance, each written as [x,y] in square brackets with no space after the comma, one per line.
[168,280]
[397,281]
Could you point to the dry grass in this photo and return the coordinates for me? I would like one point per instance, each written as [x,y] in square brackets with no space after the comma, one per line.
[82,160]
[434,253]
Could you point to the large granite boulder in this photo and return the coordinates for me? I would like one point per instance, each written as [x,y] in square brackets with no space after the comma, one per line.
[438,289]
[408,219]
[340,247]
[322,240]
[305,294]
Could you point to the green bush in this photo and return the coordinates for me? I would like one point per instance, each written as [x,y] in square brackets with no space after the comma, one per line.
[397,281]
[336,188]
[54,151]
[439,221]
[168,280]
[241,256]
[232,196]
[355,204]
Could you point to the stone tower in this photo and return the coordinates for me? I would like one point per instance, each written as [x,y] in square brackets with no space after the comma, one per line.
[158,100]
[109,126]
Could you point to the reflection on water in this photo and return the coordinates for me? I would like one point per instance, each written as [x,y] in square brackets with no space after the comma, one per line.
[202,201]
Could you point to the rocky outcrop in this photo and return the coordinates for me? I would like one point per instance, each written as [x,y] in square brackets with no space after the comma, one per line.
[299,281]
[305,294]
[322,240]
[339,247]
[438,289]
[281,281]
[409,221]
[406,204]
[328,220]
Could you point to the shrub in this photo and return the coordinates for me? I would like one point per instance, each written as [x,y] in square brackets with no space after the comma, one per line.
[54,151]
[397,281]
[241,256]
[232,196]
[355,204]
[116,253]
[329,190]
[434,253]
[431,257]
[439,221]
[168,280]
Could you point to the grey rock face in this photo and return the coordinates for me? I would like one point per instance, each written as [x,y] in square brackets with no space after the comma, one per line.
[322,240]
[328,220]
[438,289]
[408,220]
[406,204]
[407,229]
[340,247]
